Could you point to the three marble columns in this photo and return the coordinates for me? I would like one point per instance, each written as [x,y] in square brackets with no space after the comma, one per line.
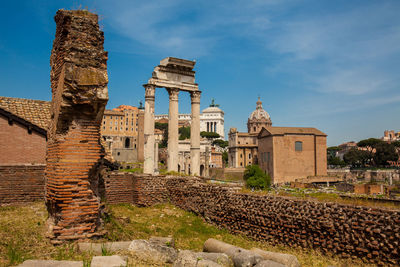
[150,159]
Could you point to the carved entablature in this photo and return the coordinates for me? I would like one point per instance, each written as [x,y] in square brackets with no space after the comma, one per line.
[175,73]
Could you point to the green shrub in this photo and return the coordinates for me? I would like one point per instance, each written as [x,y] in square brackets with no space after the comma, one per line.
[255,178]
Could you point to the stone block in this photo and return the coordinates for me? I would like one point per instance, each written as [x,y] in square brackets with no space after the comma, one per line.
[285,259]
[163,241]
[108,261]
[146,250]
[188,258]
[97,248]
[50,263]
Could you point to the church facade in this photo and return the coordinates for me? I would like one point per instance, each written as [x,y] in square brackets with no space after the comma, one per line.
[243,147]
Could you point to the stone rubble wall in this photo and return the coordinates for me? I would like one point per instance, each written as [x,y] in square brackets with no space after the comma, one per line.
[21,183]
[367,175]
[79,96]
[348,231]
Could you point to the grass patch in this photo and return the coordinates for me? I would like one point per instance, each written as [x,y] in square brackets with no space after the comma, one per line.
[22,235]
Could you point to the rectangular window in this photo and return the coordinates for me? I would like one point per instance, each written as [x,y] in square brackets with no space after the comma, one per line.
[298,146]
[249,156]
[269,156]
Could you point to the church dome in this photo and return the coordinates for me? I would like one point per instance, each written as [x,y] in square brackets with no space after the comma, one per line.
[259,113]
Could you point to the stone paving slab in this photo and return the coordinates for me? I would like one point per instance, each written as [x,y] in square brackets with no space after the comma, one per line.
[50,263]
[108,261]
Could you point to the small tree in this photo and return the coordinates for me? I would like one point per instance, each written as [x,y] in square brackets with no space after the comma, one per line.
[221,143]
[225,158]
[209,135]
[255,178]
[184,133]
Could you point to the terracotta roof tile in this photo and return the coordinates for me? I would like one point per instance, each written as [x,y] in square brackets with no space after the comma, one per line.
[293,130]
[36,112]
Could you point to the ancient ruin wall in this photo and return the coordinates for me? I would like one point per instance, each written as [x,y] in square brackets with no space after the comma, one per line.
[79,96]
[348,231]
[21,183]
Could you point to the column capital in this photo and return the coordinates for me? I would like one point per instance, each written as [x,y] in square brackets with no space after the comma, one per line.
[195,96]
[150,90]
[173,93]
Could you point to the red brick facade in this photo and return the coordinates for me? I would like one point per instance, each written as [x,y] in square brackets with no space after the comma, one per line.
[18,145]
[21,183]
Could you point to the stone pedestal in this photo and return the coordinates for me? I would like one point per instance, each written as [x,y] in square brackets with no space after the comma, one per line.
[148,165]
[173,132]
[195,134]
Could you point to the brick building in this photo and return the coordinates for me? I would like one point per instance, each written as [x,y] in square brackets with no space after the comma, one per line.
[24,124]
[120,127]
[23,129]
[290,153]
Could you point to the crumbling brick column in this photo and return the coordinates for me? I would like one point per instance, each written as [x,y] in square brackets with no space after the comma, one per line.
[74,152]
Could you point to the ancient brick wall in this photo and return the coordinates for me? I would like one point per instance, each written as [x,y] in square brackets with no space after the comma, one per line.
[21,183]
[119,187]
[79,96]
[19,146]
[348,231]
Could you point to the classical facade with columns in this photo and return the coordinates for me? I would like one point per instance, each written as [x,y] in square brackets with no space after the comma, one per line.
[211,119]
[175,75]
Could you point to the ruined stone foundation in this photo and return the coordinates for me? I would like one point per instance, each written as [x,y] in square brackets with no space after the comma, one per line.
[79,88]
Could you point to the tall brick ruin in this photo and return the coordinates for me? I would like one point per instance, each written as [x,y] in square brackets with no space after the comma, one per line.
[74,152]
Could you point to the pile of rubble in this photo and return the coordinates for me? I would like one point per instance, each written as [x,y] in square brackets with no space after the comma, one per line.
[161,251]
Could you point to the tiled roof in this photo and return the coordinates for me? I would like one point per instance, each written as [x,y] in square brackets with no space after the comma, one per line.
[293,130]
[36,112]
[113,112]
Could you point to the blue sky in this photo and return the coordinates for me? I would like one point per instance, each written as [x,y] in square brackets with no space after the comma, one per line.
[333,65]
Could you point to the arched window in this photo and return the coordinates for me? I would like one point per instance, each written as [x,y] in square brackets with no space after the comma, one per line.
[298,146]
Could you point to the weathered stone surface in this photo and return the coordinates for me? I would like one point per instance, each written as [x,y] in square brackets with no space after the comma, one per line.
[285,259]
[269,263]
[239,256]
[97,248]
[50,263]
[243,257]
[188,258]
[220,258]
[74,152]
[146,250]
[163,241]
[108,261]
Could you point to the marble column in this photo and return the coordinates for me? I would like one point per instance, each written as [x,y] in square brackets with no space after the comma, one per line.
[148,165]
[173,133]
[156,170]
[195,134]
